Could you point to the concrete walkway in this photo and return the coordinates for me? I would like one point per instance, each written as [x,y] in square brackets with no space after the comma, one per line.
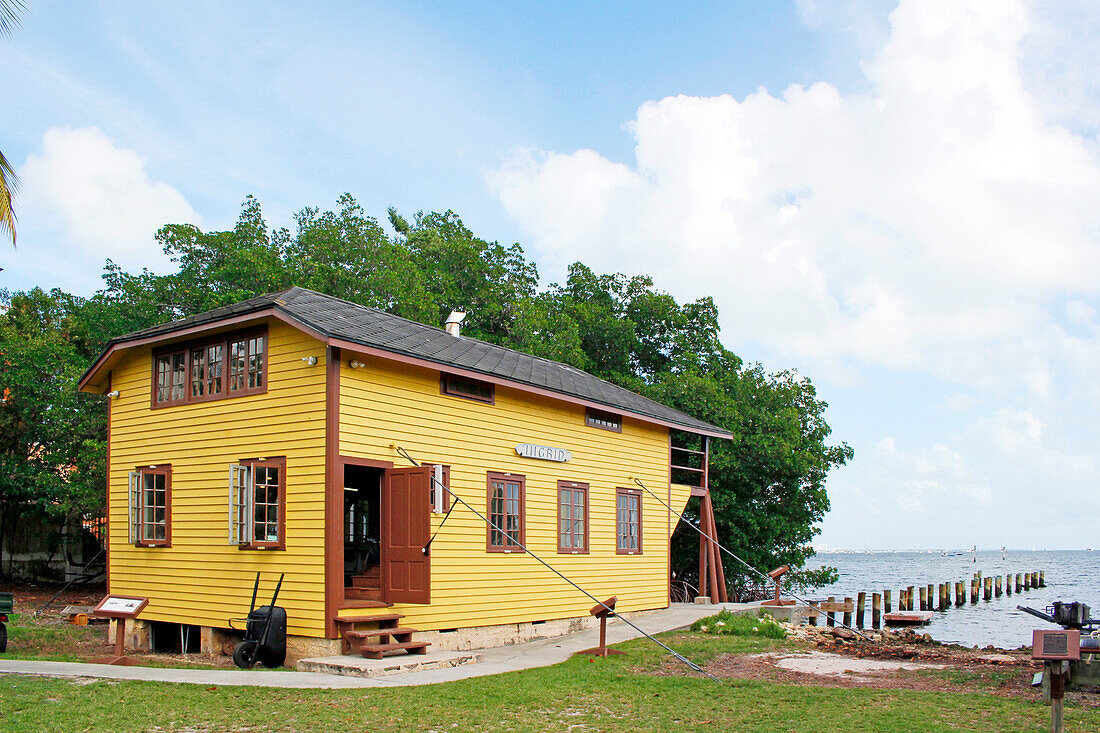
[495,660]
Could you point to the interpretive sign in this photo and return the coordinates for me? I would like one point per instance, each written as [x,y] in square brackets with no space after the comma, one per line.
[543,452]
[120,606]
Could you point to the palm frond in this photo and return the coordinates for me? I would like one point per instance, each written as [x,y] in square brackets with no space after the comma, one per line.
[10,10]
[9,184]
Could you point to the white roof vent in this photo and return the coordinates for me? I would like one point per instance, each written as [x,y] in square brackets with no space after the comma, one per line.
[454,323]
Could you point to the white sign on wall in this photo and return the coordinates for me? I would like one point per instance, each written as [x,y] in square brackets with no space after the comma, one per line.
[543,452]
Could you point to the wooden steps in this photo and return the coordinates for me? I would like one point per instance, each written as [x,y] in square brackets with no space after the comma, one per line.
[363,594]
[361,639]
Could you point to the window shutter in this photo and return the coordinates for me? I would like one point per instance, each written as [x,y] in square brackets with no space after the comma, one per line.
[240,505]
[437,488]
[134,506]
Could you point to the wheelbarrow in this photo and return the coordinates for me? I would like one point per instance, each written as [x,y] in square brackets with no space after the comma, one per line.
[264,632]
[7,605]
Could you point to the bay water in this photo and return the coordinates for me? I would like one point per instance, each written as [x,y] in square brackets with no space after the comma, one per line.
[1071,575]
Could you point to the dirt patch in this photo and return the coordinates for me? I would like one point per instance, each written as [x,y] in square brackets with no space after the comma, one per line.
[888,660]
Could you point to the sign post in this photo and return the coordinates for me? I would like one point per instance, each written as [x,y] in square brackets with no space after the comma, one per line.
[1056,649]
[119,608]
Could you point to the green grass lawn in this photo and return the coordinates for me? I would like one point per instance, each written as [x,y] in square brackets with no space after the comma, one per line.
[614,694]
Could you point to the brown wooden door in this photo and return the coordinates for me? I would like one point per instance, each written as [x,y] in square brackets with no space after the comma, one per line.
[406,509]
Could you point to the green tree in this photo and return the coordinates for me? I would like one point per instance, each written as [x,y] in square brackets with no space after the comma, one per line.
[52,437]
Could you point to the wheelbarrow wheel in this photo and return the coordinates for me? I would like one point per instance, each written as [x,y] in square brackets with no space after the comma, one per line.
[244,655]
[270,659]
[3,638]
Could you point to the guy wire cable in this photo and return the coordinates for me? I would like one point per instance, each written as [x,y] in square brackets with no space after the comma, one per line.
[729,552]
[561,575]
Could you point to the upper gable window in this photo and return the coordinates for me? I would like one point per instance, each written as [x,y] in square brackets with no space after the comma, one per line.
[605,420]
[471,389]
[229,365]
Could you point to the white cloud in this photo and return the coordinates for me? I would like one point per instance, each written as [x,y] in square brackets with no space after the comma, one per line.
[925,225]
[99,197]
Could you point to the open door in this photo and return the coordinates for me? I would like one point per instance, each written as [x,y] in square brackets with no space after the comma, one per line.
[406,512]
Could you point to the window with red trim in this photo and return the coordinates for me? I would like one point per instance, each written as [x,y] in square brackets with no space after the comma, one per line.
[506,512]
[257,515]
[471,389]
[229,365]
[572,517]
[628,521]
[603,420]
[151,505]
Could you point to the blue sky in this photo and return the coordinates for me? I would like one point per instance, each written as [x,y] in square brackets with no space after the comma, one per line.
[900,200]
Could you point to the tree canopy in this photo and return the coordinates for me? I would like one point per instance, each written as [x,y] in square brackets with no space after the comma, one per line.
[768,483]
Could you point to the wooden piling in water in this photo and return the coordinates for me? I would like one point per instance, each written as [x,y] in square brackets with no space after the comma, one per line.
[830,617]
[1027,581]
[960,593]
[1042,579]
[847,613]
[1019,585]
[886,601]
[909,598]
[1008,584]
[923,598]
[974,590]
[876,610]
[988,589]
[931,597]
[997,586]
[861,598]
[945,596]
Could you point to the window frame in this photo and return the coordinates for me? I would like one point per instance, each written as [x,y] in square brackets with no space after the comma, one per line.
[573,486]
[278,462]
[155,469]
[445,389]
[223,340]
[502,476]
[636,493]
[592,417]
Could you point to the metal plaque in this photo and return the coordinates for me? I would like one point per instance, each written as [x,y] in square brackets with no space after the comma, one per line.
[543,452]
[1055,645]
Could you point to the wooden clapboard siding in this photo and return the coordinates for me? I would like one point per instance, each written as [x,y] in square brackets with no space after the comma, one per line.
[388,403]
[201,579]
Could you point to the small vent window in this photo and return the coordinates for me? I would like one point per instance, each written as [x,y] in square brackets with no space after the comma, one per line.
[471,389]
[603,420]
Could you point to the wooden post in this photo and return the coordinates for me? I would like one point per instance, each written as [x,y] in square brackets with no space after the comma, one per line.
[960,593]
[931,597]
[1042,579]
[1035,580]
[903,604]
[1019,585]
[1008,583]
[945,599]
[876,611]
[988,589]
[812,619]
[847,614]
[974,590]
[997,586]
[1027,581]
[909,598]
[923,598]
[886,601]
[861,599]
[703,554]
[830,617]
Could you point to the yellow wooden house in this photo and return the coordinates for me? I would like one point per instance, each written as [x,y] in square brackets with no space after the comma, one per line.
[278,435]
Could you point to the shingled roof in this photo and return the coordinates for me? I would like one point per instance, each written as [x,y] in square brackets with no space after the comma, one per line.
[358,324]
